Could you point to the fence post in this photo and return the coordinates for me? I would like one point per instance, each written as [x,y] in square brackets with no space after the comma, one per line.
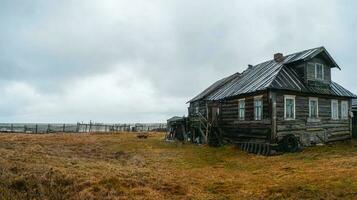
[12,128]
[36,128]
[77,127]
[48,128]
[90,126]
[64,127]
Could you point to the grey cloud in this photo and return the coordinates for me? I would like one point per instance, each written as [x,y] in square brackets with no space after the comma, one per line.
[172,48]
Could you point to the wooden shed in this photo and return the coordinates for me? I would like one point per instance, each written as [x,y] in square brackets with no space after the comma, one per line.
[282,104]
[177,128]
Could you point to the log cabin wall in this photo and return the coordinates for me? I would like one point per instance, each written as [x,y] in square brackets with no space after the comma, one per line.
[320,130]
[197,106]
[248,129]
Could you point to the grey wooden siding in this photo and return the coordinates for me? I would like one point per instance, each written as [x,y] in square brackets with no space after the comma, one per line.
[201,108]
[323,129]
[248,129]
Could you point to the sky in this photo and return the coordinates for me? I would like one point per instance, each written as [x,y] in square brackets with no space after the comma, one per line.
[119,61]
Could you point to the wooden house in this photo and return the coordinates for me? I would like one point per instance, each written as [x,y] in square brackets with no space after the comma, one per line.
[282,104]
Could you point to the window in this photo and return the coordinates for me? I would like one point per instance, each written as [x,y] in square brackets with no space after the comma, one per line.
[319,71]
[344,109]
[241,106]
[289,111]
[313,107]
[196,110]
[258,108]
[334,109]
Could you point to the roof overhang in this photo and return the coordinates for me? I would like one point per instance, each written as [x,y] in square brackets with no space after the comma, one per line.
[326,54]
[319,51]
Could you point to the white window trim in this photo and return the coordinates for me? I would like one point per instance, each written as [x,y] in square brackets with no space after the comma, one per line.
[239,101]
[293,98]
[260,97]
[323,71]
[346,103]
[317,106]
[334,101]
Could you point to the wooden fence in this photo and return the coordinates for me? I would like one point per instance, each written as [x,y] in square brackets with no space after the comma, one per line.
[79,128]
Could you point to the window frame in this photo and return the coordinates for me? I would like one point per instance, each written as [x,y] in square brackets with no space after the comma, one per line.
[197,109]
[322,72]
[332,113]
[342,114]
[317,107]
[258,98]
[291,97]
[239,109]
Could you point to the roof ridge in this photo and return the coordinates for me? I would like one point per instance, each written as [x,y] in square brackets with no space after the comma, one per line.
[320,47]
[298,52]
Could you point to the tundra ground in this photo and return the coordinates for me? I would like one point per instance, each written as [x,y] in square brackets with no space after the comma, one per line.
[122,166]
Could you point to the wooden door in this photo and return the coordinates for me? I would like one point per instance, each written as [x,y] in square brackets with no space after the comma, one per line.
[214,113]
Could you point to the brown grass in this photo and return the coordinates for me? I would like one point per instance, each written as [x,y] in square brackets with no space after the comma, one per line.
[122,166]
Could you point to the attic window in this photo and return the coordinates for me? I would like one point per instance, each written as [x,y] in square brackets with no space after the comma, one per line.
[319,71]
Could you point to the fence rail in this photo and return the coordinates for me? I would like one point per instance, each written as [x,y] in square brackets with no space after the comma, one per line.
[79,127]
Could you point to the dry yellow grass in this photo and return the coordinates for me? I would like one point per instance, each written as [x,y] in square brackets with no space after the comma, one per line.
[121,166]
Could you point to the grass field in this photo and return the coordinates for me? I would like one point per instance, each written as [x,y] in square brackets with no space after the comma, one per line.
[121,166]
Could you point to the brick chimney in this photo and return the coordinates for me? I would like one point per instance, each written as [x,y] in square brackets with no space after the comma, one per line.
[278,57]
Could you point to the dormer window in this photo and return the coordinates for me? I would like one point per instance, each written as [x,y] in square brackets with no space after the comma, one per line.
[319,71]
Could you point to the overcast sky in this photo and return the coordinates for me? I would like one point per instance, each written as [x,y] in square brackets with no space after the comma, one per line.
[141,61]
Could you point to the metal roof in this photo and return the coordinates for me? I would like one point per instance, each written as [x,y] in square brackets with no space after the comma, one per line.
[288,79]
[215,86]
[175,118]
[310,53]
[271,74]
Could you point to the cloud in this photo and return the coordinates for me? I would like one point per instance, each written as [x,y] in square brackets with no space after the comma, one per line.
[137,60]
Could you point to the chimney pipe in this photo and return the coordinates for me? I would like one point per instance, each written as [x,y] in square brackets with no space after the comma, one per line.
[278,57]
